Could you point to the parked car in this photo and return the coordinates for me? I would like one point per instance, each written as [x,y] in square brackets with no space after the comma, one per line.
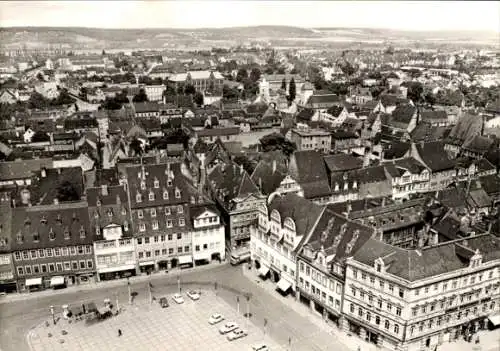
[236,334]
[260,347]
[193,295]
[163,302]
[178,298]
[228,327]
[215,318]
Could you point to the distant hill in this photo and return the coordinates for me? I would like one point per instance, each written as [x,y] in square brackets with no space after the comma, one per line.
[13,37]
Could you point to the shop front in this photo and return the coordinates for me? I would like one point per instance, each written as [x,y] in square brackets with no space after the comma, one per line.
[147,267]
[58,282]
[118,272]
[201,258]
[33,284]
[185,261]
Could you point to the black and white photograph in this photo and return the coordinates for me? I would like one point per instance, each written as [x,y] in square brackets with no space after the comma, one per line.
[249,175]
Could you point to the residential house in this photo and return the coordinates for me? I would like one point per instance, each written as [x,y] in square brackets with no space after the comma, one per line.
[477,147]
[321,263]
[283,226]
[146,109]
[208,233]
[238,199]
[160,196]
[210,135]
[154,92]
[20,172]
[52,245]
[408,176]
[419,299]
[7,271]
[435,158]
[436,118]
[201,80]
[110,220]
[311,139]
[321,102]
[346,142]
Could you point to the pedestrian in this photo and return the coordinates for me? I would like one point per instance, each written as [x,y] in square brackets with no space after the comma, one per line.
[119,332]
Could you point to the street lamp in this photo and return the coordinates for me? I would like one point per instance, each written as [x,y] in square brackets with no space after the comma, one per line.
[129,292]
[179,283]
[238,304]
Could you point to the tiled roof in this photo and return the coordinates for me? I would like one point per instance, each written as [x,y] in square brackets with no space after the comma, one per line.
[491,184]
[479,144]
[403,113]
[71,217]
[218,131]
[143,107]
[305,115]
[342,162]
[267,180]
[434,156]
[324,99]
[303,212]
[338,236]
[433,116]
[22,169]
[46,189]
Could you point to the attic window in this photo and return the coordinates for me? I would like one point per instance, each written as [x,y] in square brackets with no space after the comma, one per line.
[97,231]
[43,220]
[110,213]
[3,241]
[165,195]
[138,197]
[98,202]
[177,193]
[143,185]
[193,200]
[156,183]
[19,238]
[151,196]
[36,237]
[124,211]
[153,212]
[82,232]
[59,220]
[66,234]
[96,215]
[336,186]
[52,235]
[180,209]
[169,182]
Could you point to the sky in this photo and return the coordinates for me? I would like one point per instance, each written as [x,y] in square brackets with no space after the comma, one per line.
[403,15]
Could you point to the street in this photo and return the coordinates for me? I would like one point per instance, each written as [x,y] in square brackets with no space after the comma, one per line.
[17,317]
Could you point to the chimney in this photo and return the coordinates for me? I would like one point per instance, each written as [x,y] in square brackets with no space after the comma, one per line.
[44,172]
[274,166]
[104,190]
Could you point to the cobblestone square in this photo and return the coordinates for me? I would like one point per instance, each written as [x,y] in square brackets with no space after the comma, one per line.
[150,327]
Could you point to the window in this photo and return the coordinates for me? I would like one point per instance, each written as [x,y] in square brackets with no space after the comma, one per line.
[177,194]
[396,328]
[17,255]
[72,250]
[74,265]
[417,292]
[170,250]
[355,273]
[181,222]
[156,183]
[401,293]
[363,276]
[165,197]
[157,252]
[25,255]
[169,223]
[163,238]
[197,248]
[52,235]
[57,252]
[169,236]
[82,264]
[389,307]
[386,324]
[360,312]
[140,214]
[36,237]
[368,316]
[179,236]
[138,197]
[146,240]
[80,250]
[151,196]
[20,271]
[398,311]
[67,266]
[82,232]
[27,269]
[139,241]
[52,268]
[153,212]
[148,254]
[351,308]
[43,268]
[33,254]
[141,254]
[167,211]
[180,209]
[155,227]
[372,279]
[59,267]
[186,248]
[377,320]
[90,264]
[142,227]
[179,249]
[163,251]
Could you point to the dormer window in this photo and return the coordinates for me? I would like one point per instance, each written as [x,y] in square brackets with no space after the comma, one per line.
[19,238]
[180,209]
[59,220]
[52,235]
[476,260]
[124,211]
[36,237]
[97,231]
[96,214]
[138,197]
[177,193]
[165,195]
[153,212]
[167,211]
[66,234]
[98,203]
[355,185]
[125,226]
[43,220]
[346,185]
[169,182]
[143,185]
[379,265]
[336,186]
[82,232]
[193,200]
[151,196]
[156,183]
[140,214]
[110,213]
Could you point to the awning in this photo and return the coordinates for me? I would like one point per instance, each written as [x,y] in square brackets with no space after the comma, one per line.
[147,263]
[54,281]
[263,270]
[33,281]
[283,285]
[202,255]
[495,320]
[185,259]
[117,268]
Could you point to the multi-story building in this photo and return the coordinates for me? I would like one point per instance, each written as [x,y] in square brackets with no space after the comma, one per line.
[110,220]
[207,234]
[408,176]
[52,245]
[201,80]
[238,199]
[321,262]
[311,139]
[7,274]
[283,226]
[154,92]
[160,195]
[418,299]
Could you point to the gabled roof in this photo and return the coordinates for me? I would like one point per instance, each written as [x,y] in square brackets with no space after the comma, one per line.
[324,99]
[218,131]
[433,116]
[303,212]
[267,178]
[143,107]
[403,113]
[491,184]
[305,115]
[22,169]
[342,162]
[434,156]
[478,144]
